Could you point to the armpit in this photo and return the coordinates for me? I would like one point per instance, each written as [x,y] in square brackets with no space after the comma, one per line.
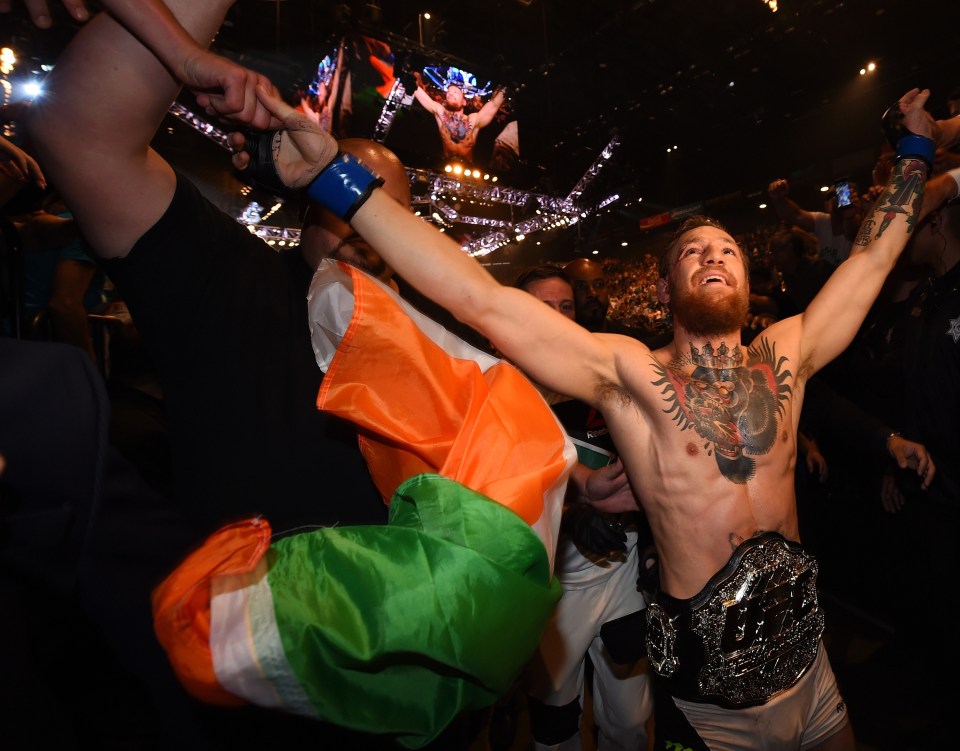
[607,391]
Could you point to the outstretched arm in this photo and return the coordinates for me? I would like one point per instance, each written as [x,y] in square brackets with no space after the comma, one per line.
[836,313]
[109,92]
[550,348]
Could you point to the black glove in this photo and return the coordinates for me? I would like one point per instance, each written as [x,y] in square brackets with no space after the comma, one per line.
[892,124]
[262,169]
[408,81]
[593,530]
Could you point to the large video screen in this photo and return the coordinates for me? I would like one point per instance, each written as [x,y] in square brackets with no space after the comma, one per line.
[322,98]
[427,110]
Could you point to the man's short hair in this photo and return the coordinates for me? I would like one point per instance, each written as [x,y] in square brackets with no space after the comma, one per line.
[691,222]
[539,273]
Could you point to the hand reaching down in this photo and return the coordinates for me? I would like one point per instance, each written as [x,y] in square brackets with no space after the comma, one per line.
[227,90]
[40,12]
[303,149]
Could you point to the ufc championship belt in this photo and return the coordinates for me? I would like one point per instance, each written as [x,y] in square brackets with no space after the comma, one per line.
[751,633]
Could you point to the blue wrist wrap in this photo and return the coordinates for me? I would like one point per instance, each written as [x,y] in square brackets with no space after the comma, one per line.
[916,147]
[343,186]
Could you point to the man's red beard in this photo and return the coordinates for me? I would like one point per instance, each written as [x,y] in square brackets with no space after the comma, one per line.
[704,315]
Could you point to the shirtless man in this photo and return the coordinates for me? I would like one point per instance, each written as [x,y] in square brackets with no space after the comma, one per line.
[706,428]
[458,130]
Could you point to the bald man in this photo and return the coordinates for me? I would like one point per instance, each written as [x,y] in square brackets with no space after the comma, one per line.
[592,298]
[325,236]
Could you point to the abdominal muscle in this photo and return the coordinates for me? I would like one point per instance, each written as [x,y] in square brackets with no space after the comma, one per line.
[697,515]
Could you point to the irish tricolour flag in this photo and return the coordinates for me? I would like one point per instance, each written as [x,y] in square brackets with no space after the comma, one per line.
[388,629]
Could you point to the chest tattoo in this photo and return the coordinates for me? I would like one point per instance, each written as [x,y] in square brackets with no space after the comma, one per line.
[457,125]
[735,407]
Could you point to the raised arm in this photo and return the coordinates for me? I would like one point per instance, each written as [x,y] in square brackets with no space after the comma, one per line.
[106,98]
[830,322]
[788,209]
[489,110]
[426,101]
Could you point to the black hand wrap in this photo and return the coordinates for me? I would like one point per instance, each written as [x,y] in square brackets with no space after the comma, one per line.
[262,172]
[892,125]
[904,141]
[409,82]
[593,530]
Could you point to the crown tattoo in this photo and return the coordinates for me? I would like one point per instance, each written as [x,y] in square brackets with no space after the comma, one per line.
[723,357]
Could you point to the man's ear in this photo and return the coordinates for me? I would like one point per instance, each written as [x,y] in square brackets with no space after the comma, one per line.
[663,291]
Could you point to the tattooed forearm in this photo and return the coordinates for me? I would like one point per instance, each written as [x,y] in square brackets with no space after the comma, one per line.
[902,196]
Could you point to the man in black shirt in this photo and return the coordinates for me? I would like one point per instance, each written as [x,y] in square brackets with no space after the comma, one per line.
[224,317]
[593,303]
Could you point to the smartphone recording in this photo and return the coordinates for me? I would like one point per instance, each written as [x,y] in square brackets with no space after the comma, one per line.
[842,191]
